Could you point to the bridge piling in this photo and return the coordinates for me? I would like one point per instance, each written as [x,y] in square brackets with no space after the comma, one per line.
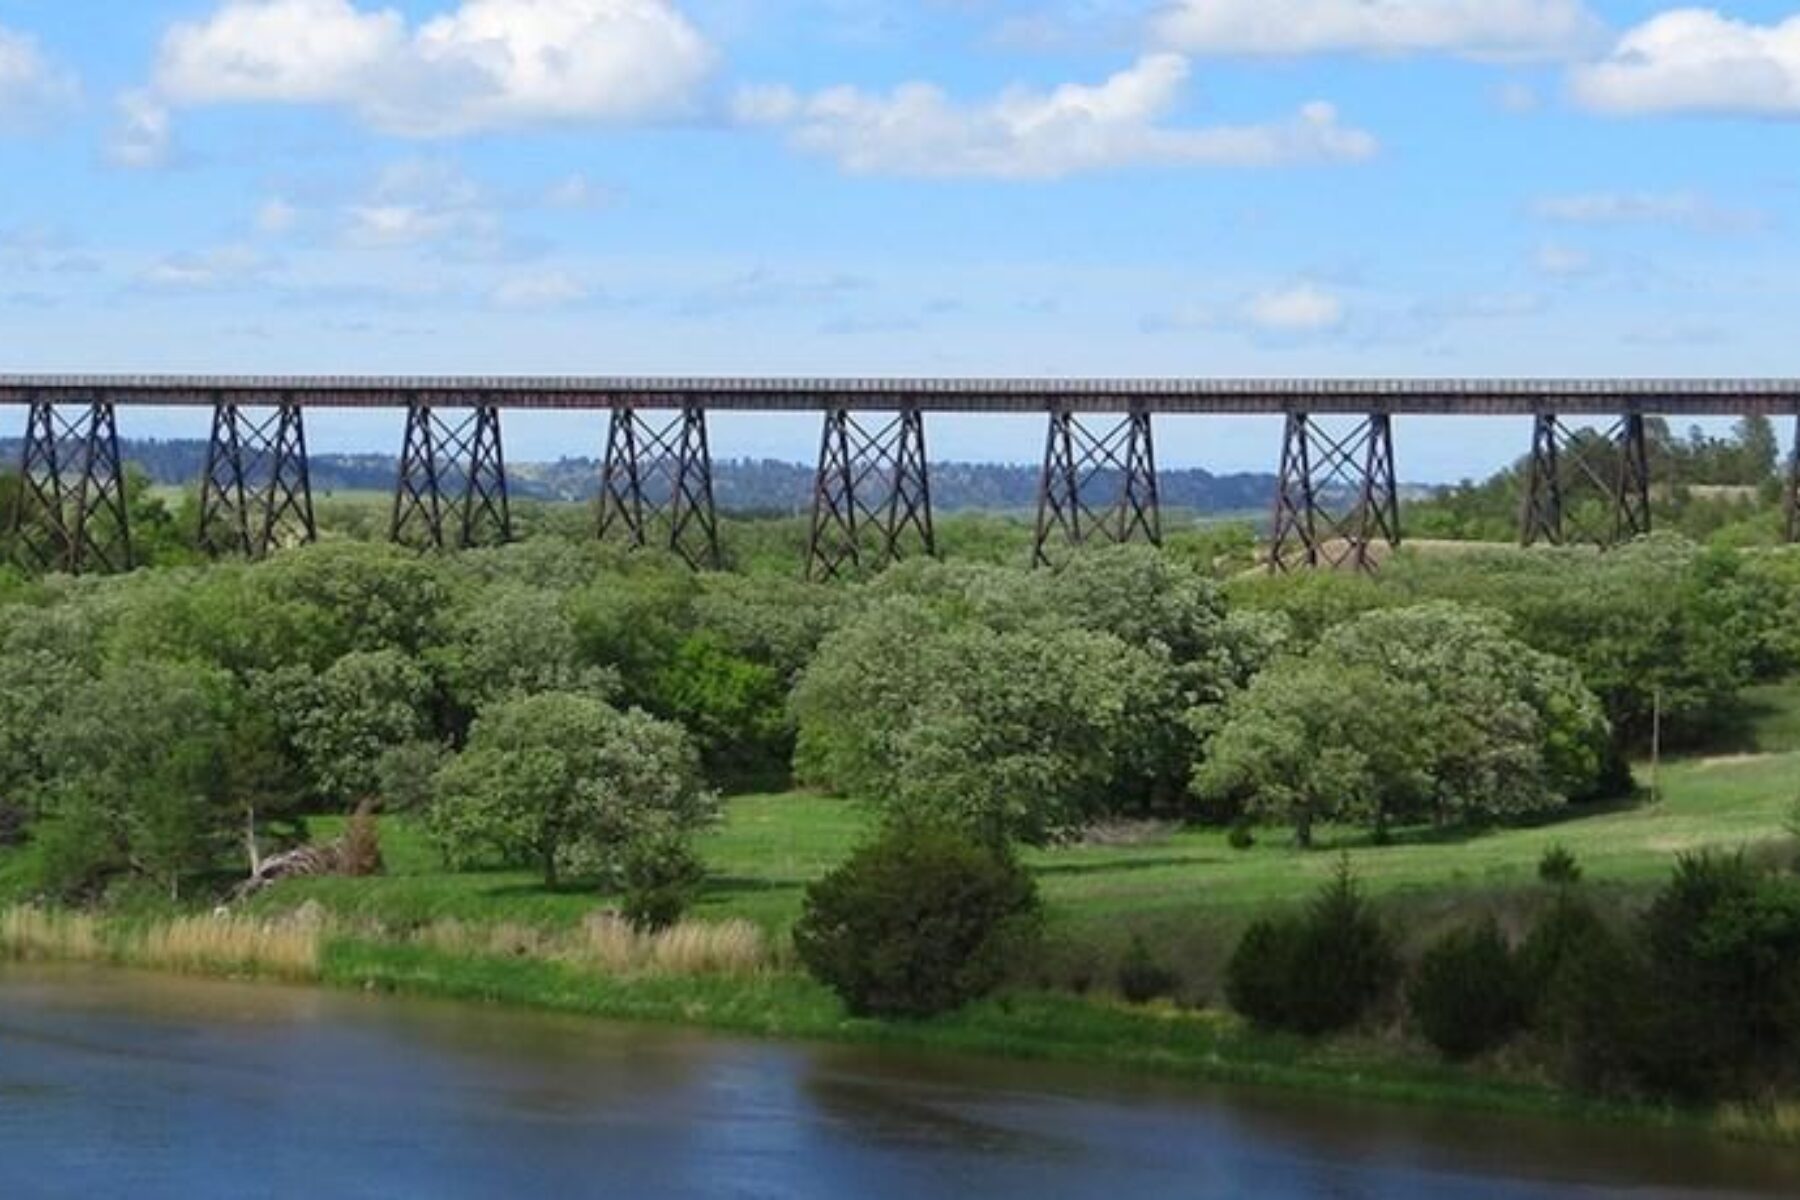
[71,514]
[1336,494]
[656,488]
[1584,486]
[256,494]
[870,482]
[1791,490]
[1119,465]
[451,491]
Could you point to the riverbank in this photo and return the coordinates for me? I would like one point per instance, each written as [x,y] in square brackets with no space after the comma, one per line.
[737,995]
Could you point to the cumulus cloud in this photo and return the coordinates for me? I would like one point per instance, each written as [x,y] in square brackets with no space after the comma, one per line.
[1492,29]
[1696,60]
[1688,210]
[1302,308]
[918,130]
[31,86]
[485,65]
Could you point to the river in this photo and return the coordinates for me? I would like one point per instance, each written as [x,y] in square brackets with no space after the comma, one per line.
[118,1084]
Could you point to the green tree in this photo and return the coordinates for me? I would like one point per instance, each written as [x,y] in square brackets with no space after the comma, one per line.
[342,721]
[139,756]
[1010,732]
[567,784]
[1310,741]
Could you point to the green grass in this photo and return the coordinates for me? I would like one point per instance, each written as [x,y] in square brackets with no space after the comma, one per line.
[1185,892]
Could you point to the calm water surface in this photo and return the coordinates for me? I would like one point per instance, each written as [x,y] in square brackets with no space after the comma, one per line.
[139,1086]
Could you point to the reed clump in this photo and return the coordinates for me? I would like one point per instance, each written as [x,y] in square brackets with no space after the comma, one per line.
[283,949]
[29,934]
[608,943]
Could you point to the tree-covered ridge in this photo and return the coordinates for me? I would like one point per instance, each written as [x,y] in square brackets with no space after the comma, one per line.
[740,485]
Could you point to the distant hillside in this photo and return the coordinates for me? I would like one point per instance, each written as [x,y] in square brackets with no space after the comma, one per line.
[740,485]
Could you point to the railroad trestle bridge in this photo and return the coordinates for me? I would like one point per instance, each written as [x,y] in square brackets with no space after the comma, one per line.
[1337,497]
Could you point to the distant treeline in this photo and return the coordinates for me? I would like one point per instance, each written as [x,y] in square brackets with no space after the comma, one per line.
[740,485]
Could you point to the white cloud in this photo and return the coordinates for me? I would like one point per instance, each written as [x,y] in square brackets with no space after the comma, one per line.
[142,137]
[578,192]
[421,202]
[485,65]
[1562,262]
[1686,209]
[31,86]
[918,130]
[1303,308]
[208,270]
[1491,29]
[1697,60]
[551,289]
[277,216]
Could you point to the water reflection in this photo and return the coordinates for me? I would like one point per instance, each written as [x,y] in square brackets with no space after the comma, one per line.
[145,1086]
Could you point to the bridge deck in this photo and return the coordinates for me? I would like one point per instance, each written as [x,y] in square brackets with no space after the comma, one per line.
[1449,397]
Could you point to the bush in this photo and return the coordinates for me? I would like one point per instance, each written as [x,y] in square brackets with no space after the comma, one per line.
[1558,938]
[920,921]
[1559,867]
[1467,993]
[1318,971]
[662,874]
[1241,836]
[1723,944]
[1142,978]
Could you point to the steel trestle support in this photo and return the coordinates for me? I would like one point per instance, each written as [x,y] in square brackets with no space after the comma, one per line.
[1336,497]
[871,486]
[451,492]
[1586,486]
[656,488]
[1097,486]
[71,514]
[256,495]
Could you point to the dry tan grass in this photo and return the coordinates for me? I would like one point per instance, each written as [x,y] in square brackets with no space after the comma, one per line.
[1777,1123]
[284,949]
[34,934]
[607,943]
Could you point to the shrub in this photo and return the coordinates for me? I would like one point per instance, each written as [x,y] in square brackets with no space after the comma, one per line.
[1467,994]
[1241,836]
[1318,971]
[1559,867]
[1558,937]
[1723,943]
[920,921]
[662,874]
[1142,978]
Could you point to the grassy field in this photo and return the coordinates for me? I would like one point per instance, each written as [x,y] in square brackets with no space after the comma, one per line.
[1185,890]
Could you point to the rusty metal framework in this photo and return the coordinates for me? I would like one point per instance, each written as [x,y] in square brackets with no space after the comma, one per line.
[656,488]
[1097,485]
[256,495]
[72,511]
[872,495]
[451,492]
[1336,496]
[1583,486]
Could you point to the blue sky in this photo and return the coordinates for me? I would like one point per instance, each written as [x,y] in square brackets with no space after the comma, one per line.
[1193,187]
